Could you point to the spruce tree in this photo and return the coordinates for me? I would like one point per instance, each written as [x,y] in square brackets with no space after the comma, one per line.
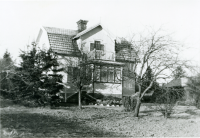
[146,80]
[6,66]
[7,60]
[34,80]
[179,73]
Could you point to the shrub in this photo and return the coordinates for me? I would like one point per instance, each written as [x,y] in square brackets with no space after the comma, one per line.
[193,86]
[197,101]
[167,101]
[96,95]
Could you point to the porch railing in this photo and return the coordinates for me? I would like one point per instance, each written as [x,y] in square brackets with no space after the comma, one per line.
[101,55]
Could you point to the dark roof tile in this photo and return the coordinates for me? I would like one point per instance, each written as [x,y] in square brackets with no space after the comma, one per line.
[126,55]
[60,41]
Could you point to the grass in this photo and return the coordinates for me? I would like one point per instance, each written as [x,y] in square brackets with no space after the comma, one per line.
[18,121]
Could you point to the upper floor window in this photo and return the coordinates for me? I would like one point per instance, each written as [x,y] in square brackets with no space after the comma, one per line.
[97,46]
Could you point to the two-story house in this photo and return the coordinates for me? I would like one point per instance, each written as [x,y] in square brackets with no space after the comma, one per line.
[108,57]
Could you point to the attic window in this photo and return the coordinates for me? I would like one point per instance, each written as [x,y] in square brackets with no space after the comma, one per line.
[97,46]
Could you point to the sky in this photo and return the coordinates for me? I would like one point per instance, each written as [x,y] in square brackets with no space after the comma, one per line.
[20,20]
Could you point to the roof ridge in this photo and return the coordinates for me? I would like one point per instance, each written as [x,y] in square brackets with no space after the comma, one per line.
[110,34]
[58,28]
[86,30]
[63,31]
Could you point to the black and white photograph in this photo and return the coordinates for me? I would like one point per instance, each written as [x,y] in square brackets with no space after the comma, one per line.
[99,68]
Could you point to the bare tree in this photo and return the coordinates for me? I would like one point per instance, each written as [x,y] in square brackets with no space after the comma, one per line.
[157,51]
[80,73]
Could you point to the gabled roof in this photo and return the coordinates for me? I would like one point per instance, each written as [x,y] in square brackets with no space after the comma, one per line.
[125,53]
[62,31]
[89,29]
[60,41]
[178,82]
[86,30]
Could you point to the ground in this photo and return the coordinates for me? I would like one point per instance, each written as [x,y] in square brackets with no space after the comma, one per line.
[97,121]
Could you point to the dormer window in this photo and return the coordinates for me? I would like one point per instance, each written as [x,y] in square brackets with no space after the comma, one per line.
[97,46]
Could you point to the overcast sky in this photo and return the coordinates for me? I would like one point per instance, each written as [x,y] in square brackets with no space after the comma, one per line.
[20,20]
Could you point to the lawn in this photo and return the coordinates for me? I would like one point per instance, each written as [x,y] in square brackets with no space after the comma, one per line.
[96,121]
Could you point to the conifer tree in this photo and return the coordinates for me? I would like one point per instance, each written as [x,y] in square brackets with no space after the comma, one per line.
[35,79]
[6,65]
[178,73]
[146,80]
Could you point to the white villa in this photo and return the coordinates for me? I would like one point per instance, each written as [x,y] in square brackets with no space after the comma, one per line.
[105,54]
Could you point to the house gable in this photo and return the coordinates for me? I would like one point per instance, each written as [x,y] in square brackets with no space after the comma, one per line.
[42,39]
[59,40]
[97,33]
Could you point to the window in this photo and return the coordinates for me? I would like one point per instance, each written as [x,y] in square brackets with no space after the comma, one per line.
[72,74]
[104,74]
[97,46]
[107,74]
[88,72]
[69,74]
[91,46]
[97,73]
[117,75]
[110,74]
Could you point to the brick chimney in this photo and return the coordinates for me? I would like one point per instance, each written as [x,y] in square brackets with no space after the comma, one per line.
[82,25]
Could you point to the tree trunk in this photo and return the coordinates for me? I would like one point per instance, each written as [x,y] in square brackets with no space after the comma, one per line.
[137,108]
[79,99]
[128,103]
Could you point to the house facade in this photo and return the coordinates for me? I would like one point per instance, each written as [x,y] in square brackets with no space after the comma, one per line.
[110,60]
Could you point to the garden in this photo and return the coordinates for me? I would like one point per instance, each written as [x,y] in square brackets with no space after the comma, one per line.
[97,121]
[27,91]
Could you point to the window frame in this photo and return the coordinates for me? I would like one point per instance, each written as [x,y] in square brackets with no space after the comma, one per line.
[97,45]
[111,74]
